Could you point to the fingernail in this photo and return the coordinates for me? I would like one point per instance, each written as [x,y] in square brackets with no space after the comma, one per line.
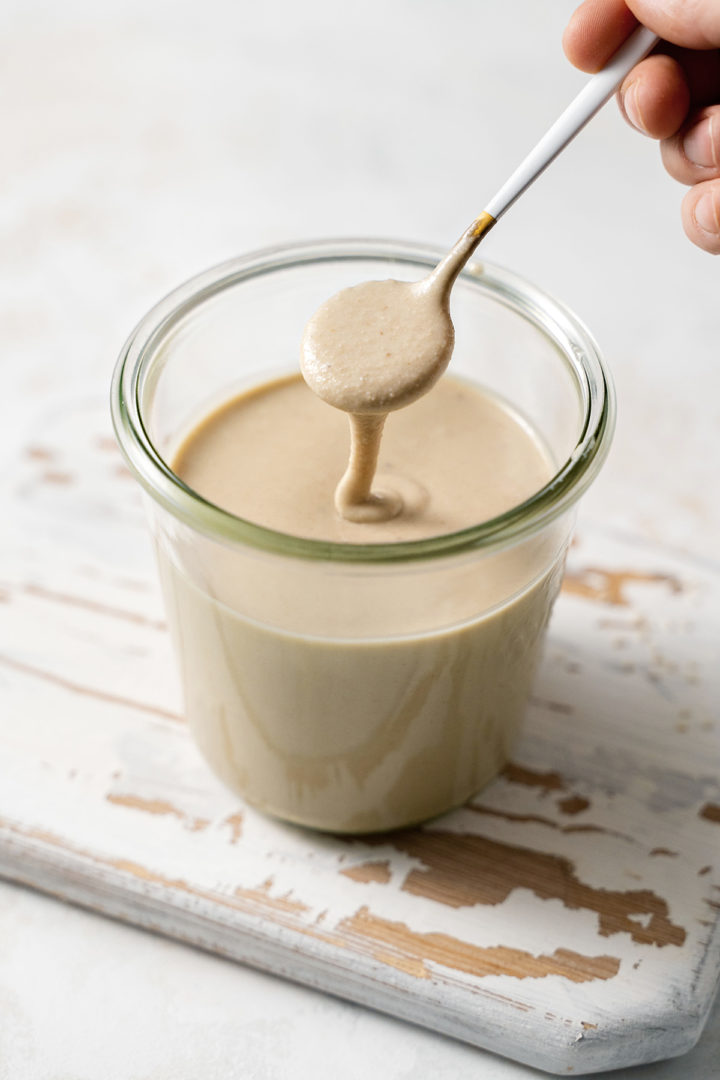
[699,145]
[707,212]
[632,109]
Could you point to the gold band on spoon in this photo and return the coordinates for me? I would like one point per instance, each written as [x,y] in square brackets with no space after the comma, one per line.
[482,224]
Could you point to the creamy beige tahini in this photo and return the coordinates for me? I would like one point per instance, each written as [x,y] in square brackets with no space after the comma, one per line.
[375,348]
[359,697]
[273,455]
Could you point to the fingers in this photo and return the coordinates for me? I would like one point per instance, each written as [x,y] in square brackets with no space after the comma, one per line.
[693,153]
[692,23]
[598,28]
[701,215]
[655,97]
[596,31]
[692,156]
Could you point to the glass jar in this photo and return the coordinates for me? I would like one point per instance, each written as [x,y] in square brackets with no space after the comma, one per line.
[355,687]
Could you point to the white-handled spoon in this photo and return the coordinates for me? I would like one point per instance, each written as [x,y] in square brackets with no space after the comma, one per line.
[378,346]
[596,92]
[581,109]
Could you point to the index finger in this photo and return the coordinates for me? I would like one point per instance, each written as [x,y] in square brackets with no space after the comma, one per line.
[596,31]
[598,28]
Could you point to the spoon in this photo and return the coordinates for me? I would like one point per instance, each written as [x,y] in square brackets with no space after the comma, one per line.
[378,346]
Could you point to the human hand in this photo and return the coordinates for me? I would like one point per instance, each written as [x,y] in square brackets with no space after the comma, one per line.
[673,95]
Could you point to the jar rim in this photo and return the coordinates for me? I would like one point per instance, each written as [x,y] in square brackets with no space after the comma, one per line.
[557,322]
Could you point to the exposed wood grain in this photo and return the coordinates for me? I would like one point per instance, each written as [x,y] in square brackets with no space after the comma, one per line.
[537,819]
[235,823]
[87,691]
[157,806]
[56,476]
[461,871]
[610,586]
[378,871]
[521,774]
[87,604]
[448,951]
[573,804]
[252,899]
[39,453]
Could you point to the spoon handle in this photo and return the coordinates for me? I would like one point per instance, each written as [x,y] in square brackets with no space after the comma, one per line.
[588,102]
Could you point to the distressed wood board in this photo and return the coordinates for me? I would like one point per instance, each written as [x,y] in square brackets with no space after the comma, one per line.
[567,917]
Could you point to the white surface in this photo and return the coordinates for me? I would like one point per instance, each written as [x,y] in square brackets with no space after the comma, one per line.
[142,143]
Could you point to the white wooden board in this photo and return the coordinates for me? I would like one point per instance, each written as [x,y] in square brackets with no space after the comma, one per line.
[567,917]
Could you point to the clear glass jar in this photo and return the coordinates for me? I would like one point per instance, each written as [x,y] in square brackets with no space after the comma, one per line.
[400,697]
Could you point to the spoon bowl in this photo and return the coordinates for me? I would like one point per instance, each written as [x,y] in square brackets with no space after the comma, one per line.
[401,332]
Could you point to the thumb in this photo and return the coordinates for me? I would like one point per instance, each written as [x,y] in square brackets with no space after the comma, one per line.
[694,24]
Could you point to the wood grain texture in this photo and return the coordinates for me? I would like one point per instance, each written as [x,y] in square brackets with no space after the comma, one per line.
[566,917]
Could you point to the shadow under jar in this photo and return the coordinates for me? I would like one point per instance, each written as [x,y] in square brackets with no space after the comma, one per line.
[356,687]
